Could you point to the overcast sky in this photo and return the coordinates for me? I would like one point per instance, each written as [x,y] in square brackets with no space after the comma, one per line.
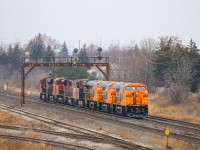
[92,21]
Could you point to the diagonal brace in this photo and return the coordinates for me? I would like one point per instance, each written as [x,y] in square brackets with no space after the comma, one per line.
[101,71]
[29,71]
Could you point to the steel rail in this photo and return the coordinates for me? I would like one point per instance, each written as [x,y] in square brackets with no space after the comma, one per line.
[49,142]
[189,138]
[112,140]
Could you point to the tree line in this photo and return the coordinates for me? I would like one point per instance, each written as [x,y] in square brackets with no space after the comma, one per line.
[165,62]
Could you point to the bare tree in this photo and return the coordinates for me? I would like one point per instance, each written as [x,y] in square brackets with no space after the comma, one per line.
[178,80]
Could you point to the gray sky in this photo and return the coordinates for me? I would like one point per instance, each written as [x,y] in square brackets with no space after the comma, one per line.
[112,21]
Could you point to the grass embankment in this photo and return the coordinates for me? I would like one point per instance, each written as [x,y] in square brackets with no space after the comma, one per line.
[10,119]
[188,110]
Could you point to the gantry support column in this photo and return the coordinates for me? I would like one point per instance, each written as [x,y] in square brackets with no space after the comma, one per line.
[22,85]
[107,73]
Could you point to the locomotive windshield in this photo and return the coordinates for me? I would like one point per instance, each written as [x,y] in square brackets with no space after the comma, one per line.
[141,88]
[130,88]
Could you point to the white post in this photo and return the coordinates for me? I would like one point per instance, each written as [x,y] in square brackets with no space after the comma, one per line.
[29,92]
[5,87]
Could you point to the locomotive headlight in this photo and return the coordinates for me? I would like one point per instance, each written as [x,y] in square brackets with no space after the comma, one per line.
[136,93]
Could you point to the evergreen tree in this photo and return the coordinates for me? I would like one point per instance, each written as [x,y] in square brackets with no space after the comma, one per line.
[83,57]
[73,72]
[14,57]
[64,51]
[3,58]
[169,62]
[162,59]
[194,57]
[49,53]
[36,47]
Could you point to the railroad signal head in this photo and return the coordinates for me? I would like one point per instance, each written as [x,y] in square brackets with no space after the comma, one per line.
[99,49]
[99,57]
[75,50]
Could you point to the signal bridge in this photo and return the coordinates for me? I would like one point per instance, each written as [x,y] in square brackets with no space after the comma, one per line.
[32,62]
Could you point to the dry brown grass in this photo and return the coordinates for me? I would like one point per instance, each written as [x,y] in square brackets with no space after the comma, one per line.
[13,145]
[16,89]
[10,119]
[175,144]
[31,135]
[187,110]
[159,142]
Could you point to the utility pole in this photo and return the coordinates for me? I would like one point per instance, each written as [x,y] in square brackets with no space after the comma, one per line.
[79,44]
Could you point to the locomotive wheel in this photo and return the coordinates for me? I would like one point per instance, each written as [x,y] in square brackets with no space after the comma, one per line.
[114,109]
[95,105]
[76,103]
[40,96]
[83,104]
[55,100]
[73,103]
[108,108]
[67,101]
[100,106]
[130,115]
[45,97]
[88,104]
[63,100]
[123,111]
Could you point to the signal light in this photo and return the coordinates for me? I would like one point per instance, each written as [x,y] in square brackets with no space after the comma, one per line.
[75,50]
[99,57]
[99,49]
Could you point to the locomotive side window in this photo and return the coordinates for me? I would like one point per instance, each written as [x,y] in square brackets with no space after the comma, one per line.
[121,97]
[51,81]
[70,83]
[42,84]
[92,91]
[77,85]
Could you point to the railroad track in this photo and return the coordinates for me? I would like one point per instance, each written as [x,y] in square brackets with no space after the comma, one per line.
[189,127]
[49,142]
[166,121]
[52,132]
[96,136]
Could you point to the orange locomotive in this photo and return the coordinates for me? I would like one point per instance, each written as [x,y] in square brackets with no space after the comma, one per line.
[131,99]
[123,98]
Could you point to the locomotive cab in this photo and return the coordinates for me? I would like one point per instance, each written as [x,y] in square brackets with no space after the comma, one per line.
[135,98]
[94,95]
[46,88]
[102,92]
[117,91]
[79,92]
[59,89]
[68,86]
